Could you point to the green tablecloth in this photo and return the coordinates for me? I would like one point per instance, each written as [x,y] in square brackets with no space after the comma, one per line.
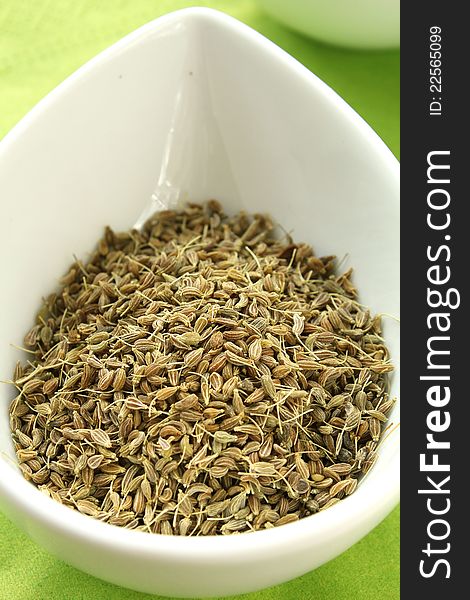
[43,41]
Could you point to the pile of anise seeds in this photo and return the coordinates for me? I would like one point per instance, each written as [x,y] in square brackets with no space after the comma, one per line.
[201,376]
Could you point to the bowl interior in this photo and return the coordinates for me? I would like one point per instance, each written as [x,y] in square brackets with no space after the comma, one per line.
[188,109]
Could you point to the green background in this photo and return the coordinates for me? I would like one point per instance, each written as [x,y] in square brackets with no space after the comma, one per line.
[43,41]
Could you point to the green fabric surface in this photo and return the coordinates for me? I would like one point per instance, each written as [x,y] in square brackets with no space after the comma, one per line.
[43,41]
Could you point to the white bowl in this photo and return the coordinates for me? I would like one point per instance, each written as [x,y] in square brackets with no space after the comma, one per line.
[193,104]
[356,23]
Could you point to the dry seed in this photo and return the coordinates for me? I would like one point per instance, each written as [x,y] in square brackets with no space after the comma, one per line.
[263,468]
[95,461]
[290,518]
[166,393]
[224,438]
[100,437]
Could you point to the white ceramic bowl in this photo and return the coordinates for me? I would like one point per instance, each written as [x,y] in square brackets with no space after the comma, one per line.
[193,104]
[355,23]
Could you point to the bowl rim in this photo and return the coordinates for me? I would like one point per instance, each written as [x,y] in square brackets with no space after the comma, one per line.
[347,516]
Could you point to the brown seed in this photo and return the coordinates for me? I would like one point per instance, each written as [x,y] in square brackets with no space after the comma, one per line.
[216,340]
[166,393]
[50,386]
[266,448]
[268,386]
[218,363]
[298,323]
[105,380]
[119,380]
[263,468]
[87,507]
[237,360]
[193,358]
[255,396]
[375,428]
[100,437]
[255,350]
[95,461]
[290,518]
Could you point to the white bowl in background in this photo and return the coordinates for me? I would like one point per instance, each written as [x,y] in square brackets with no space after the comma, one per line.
[363,24]
[197,105]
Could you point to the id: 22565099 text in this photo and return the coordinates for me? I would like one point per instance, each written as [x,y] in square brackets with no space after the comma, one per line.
[435,70]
